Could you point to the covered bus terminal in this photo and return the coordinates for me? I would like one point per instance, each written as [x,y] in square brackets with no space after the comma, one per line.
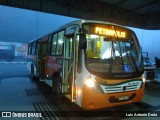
[22,98]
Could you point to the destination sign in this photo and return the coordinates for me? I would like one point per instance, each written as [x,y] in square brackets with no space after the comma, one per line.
[110,32]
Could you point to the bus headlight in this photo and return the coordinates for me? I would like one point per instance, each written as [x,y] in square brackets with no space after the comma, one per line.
[144,80]
[93,85]
[90,83]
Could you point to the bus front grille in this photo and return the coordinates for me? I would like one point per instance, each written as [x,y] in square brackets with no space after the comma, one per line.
[122,87]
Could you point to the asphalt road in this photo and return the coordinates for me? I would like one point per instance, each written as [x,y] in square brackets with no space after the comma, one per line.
[21,96]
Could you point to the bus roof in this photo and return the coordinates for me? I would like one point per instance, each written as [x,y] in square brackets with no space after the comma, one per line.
[80,22]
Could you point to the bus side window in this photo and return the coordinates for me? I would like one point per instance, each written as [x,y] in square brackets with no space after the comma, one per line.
[45,49]
[54,44]
[33,48]
[60,43]
[36,44]
[49,45]
[29,48]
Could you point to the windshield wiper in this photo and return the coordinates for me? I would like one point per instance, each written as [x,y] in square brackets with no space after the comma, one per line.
[132,58]
[111,60]
[114,57]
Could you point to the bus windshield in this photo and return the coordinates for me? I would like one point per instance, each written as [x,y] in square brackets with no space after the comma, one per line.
[112,53]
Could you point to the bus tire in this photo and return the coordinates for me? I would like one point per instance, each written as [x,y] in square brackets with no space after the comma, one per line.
[57,87]
[32,73]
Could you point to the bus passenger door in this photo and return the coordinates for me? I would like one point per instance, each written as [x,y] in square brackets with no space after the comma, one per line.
[68,73]
[41,53]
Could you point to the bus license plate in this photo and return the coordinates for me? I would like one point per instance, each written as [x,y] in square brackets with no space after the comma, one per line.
[123,98]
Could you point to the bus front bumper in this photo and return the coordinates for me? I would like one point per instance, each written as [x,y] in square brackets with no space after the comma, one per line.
[94,100]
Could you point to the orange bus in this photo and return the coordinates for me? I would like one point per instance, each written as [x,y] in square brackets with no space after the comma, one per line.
[94,64]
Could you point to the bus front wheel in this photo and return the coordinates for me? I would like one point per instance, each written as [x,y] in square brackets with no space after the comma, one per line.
[32,72]
[57,87]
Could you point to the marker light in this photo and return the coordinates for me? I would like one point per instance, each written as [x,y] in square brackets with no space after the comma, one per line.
[90,83]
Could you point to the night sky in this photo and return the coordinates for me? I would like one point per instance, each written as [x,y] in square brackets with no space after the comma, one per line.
[20,25]
[24,25]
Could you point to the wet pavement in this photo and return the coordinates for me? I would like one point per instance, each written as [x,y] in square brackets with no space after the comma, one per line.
[18,93]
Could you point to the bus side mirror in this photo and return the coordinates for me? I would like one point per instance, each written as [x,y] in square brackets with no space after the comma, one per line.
[83,41]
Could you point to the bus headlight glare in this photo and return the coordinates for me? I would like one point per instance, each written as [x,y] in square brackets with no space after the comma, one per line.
[144,80]
[90,83]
